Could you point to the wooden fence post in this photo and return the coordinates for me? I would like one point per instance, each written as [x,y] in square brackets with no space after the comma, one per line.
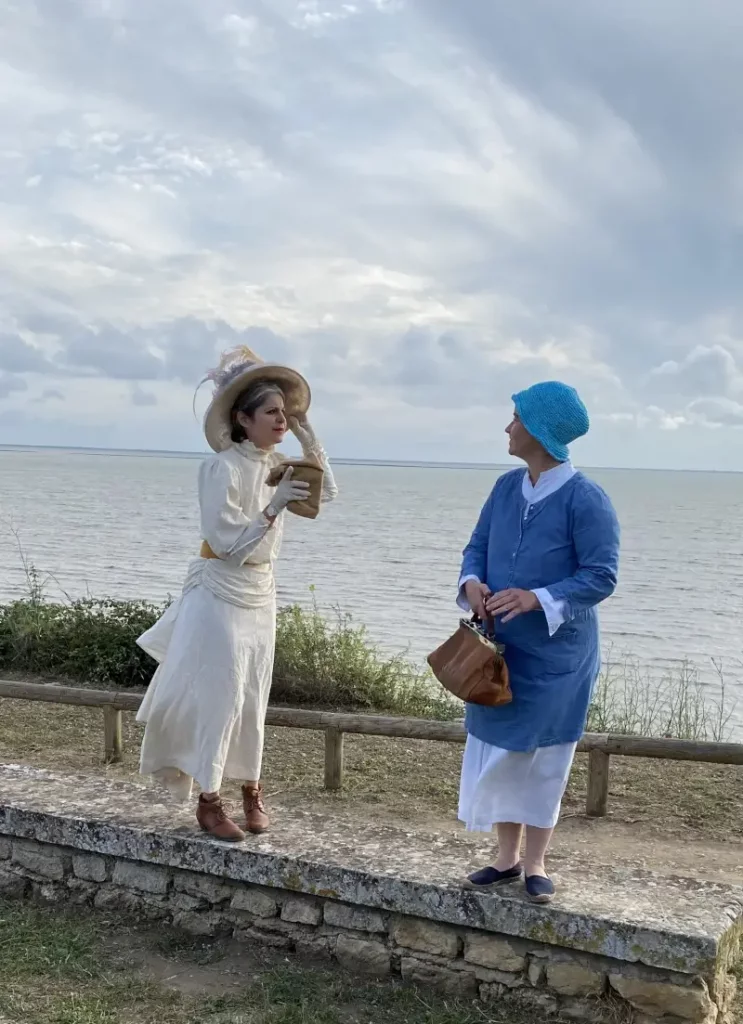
[597,798]
[333,759]
[113,734]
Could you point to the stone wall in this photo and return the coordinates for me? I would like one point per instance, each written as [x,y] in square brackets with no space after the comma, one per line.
[458,961]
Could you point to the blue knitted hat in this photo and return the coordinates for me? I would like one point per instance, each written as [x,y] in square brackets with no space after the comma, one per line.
[554,415]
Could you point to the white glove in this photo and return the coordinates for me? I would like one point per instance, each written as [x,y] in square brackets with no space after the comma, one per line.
[313,449]
[288,490]
[306,436]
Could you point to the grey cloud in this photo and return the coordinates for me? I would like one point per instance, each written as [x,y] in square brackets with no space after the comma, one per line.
[111,353]
[17,356]
[502,174]
[142,398]
[718,411]
[11,383]
[705,371]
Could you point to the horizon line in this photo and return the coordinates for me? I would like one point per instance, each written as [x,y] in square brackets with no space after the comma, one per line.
[339,461]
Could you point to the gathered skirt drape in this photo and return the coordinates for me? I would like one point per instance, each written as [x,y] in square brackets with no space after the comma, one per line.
[205,709]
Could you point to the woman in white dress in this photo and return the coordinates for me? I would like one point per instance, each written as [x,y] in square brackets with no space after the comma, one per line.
[205,709]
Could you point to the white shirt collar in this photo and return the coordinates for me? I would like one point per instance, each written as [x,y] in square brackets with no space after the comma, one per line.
[547,483]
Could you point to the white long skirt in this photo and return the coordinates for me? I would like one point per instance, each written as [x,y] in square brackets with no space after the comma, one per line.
[205,708]
[500,785]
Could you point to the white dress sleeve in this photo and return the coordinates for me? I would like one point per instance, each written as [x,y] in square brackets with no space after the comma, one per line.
[554,611]
[224,526]
[329,486]
[462,601]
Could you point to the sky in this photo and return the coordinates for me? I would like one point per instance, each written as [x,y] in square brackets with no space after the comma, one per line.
[422,205]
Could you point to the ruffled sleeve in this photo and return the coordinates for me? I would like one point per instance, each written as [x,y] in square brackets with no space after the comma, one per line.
[224,526]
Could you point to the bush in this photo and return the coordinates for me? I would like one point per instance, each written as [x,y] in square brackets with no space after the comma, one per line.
[337,666]
[317,664]
[86,641]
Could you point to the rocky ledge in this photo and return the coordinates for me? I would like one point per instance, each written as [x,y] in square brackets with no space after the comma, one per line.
[383,898]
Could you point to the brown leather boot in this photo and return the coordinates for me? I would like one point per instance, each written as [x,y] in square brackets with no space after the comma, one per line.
[211,815]
[256,818]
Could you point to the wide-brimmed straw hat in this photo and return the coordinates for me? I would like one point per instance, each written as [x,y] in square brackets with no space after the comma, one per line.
[237,370]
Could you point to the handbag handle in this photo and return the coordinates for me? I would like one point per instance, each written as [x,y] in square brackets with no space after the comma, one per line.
[486,625]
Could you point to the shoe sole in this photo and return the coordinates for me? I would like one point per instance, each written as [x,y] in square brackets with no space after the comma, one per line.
[222,839]
[493,885]
[540,899]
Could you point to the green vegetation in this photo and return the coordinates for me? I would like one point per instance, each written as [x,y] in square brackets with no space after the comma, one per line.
[320,664]
[329,665]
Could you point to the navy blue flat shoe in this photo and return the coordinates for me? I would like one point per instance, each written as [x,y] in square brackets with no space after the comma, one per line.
[539,889]
[488,879]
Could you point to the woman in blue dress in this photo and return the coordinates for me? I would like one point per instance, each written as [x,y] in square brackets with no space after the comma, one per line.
[543,555]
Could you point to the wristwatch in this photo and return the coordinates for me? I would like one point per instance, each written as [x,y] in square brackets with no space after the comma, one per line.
[271,511]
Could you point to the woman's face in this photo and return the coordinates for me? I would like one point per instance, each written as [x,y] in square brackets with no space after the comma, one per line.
[520,442]
[267,426]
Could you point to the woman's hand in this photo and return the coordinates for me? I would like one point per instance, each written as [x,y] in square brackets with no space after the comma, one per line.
[289,490]
[476,594]
[507,604]
[300,427]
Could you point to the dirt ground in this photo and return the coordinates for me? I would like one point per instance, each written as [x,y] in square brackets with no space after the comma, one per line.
[674,818]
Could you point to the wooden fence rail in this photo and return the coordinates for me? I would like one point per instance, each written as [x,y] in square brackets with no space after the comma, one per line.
[599,746]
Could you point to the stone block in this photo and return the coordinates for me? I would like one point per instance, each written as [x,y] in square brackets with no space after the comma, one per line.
[138,905]
[316,947]
[363,956]
[355,919]
[535,973]
[451,983]
[89,868]
[81,893]
[40,859]
[426,936]
[141,877]
[205,924]
[591,1010]
[257,935]
[51,893]
[110,898]
[182,903]
[659,998]
[5,848]
[13,885]
[302,911]
[573,979]
[534,999]
[202,887]
[493,952]
[253,901]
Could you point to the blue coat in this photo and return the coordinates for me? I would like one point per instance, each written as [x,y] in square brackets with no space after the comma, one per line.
[569,544]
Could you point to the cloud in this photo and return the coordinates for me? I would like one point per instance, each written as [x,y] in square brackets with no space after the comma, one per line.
[424,206]
[705,371]
[718,412]
[10,384]
[141,398]
[17,356]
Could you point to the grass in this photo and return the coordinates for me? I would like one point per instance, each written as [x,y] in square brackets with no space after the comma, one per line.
[64,969]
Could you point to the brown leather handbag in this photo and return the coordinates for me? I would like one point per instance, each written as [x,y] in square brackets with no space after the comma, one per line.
[308,471]
[470,664]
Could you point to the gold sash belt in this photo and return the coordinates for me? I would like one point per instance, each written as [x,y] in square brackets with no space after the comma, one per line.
[206,551]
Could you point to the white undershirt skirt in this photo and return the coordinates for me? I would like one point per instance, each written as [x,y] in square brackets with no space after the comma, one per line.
[524,787]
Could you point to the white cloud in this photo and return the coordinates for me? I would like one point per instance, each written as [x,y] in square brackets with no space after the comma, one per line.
[425,206]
